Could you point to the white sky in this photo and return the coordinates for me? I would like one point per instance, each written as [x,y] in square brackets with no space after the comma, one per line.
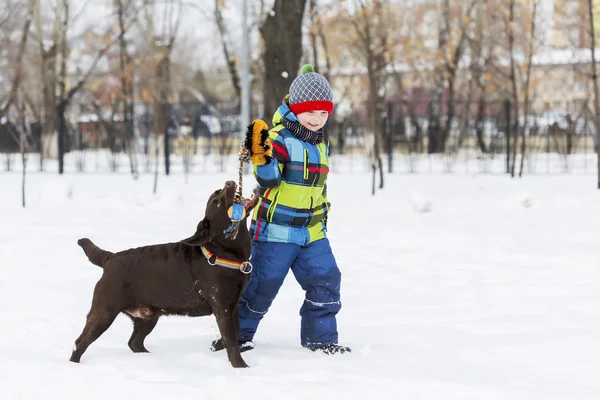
[198,35]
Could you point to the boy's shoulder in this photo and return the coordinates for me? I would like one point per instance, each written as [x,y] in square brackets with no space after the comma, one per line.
[279,131]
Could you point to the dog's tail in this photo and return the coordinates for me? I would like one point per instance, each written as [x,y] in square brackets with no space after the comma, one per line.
[95,254]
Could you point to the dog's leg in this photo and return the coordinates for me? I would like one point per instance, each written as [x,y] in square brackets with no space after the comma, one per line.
[236,322]
[218,345]
[141,329]
[227,322]
[98,321]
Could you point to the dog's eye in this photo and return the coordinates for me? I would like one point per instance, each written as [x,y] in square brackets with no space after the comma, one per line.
[219,204]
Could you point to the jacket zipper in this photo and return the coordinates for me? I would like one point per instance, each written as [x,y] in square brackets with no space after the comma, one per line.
[310,211]
[305,164]
[271,209]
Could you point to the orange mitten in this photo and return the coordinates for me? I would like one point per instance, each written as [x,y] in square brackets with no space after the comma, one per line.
[258,143]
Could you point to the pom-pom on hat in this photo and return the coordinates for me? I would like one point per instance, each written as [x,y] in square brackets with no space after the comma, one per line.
[310,91]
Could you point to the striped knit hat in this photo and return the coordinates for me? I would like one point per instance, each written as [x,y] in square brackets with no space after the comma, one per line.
[310,91]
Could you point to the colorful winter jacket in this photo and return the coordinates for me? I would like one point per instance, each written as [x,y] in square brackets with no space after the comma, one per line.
[293,200]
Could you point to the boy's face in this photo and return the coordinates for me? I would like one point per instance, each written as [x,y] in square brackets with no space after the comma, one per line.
[313,120]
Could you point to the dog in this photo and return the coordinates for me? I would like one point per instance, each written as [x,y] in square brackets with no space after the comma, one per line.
[198,276]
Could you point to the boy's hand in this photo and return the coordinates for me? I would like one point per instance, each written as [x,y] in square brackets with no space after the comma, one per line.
[258,143]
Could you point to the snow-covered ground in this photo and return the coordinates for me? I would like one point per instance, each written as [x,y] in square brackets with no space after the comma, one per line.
[455,286]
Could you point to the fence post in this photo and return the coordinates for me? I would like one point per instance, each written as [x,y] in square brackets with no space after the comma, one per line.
[390,137]
[507,133]
[166,144]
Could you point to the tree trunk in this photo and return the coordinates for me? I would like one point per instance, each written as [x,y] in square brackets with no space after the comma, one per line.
[479,69]
[321,35]
[595,81]
[465,116]
[62,103]
[48,75]
[515,92]
[18,66]
[23,146]
[414,143]
[480,123]
[162,87]
[450,107]
[282,35]
[375,111]
[434,132]
[127,71]
[526,104]
[452,67]
[229,59]
[49,99]
[312,5]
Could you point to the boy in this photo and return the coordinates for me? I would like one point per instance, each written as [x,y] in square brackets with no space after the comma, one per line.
[289,225]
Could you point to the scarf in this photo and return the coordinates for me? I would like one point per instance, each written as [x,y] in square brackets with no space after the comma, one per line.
[302,133]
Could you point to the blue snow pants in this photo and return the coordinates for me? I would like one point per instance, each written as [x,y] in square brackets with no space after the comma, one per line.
[315,269]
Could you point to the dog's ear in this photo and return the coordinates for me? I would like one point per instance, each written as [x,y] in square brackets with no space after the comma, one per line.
[202,235]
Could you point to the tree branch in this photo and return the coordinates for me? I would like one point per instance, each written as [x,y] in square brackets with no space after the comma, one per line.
[19,70]
[69,95]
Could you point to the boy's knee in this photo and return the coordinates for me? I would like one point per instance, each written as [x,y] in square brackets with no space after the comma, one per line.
[249,310]
[334,274]
[259,299]
[328,275]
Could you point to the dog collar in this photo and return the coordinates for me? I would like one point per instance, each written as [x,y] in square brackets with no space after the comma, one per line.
[245,267]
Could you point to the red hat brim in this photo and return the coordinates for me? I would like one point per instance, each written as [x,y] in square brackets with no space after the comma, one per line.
[315,105]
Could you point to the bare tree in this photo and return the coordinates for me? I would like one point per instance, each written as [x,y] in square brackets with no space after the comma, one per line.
[126,66]
[226,44]
[514,129]
[48,51]
[18,68]
[450,52]
[373,47]
[319,43]
[59,36]
[526,87]
[113,133]
[482,44]
[320,50]
[520,88]
[312,32]
[435,143]
[9,11]
[452,60]
[162,41]
[24,134]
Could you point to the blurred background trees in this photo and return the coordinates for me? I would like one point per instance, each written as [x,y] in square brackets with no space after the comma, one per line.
[145,79]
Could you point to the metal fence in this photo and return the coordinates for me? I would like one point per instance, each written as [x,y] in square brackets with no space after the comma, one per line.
[478,138]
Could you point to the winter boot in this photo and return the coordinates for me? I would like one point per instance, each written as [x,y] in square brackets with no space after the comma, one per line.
[330,349]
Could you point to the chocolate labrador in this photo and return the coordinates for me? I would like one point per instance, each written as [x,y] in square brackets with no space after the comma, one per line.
[201,275]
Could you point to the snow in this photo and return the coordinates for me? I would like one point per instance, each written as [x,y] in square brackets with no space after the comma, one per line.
[491,294]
